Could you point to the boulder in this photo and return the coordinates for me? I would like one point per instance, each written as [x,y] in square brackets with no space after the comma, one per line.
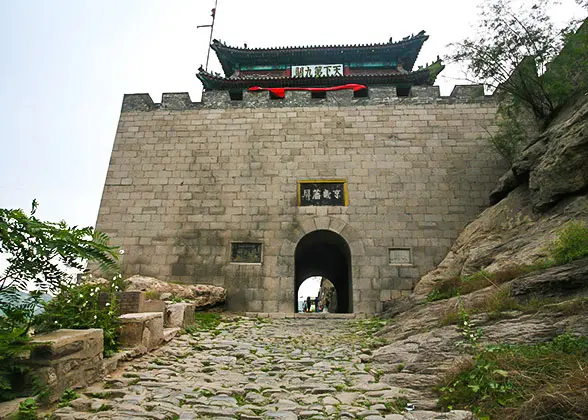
[201,295]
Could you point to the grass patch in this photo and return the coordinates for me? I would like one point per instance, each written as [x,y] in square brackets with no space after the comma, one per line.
[241,401]
[571,243]
[500,305]
[371,326]
[205,393]
[451,287]
[204,321]
[448,288]
[365,329]
[396,406]
[547,380]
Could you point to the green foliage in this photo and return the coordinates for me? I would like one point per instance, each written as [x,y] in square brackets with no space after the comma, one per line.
[513,381]
[571,244]
[372,325]
[470,334]
[512,49]
[510,138]
[367,331]
[397,405]
[44,257]
[453,286]
[78,307]
[13,344]
[152,295]
[68,396]
[27,410]
[204,321]
[568,72]
[45,253]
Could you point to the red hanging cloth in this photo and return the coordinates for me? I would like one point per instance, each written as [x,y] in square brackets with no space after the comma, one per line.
[280,92]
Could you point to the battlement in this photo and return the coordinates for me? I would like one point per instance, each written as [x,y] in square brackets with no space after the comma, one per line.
[373,96]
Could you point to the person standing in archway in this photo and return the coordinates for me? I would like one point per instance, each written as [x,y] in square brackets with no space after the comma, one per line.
[308,304]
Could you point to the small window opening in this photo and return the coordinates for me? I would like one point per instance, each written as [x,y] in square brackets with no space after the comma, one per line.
[402,91]
[318,95]
[362,93]
[236,95]
[274,96]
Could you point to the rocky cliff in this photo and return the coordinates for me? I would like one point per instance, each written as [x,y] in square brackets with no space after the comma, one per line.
[526,300]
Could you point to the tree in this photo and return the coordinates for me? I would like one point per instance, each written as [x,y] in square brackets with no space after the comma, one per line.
[45,254]
[511,51]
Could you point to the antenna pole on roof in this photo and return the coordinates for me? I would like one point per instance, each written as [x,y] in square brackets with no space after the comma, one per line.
[211,26]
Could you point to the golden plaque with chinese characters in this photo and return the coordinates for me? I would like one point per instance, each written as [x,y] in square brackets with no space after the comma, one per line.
[322,193]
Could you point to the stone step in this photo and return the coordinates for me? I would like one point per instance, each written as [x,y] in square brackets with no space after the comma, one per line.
[170,333]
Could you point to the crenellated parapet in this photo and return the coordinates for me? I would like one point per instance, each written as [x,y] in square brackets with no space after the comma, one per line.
[379,95]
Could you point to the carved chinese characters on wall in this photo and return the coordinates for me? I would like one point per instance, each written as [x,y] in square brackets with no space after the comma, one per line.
[322,70]
[322,193]
[246,252]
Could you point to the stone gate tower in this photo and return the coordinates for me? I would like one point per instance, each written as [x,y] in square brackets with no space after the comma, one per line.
[336,161]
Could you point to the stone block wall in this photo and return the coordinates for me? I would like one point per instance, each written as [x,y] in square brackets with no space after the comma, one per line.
[67,359]
[187,179]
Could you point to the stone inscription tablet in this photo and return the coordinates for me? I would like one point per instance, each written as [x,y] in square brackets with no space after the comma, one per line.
[246,252]
[322,193]
[399,256]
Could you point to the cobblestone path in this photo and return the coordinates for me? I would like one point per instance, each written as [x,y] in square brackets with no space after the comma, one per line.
[253,369]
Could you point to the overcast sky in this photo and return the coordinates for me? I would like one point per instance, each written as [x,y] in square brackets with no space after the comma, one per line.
[67,63]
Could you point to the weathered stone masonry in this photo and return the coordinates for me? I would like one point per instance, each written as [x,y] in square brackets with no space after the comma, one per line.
[187,179]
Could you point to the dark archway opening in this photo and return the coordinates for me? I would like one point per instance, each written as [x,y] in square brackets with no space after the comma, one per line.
[326,254]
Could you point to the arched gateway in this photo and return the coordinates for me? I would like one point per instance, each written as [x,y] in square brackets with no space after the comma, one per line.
[325,253]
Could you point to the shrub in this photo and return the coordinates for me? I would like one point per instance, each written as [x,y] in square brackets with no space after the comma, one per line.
[43,256]
[27,410]
[68,396]
[78,307]
[571,244]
